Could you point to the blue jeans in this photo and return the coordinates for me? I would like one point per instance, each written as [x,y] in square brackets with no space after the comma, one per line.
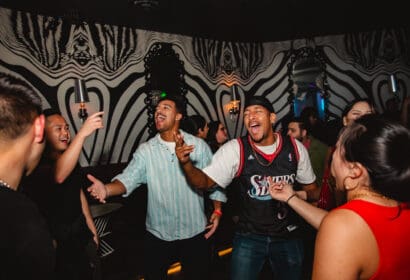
[251,250]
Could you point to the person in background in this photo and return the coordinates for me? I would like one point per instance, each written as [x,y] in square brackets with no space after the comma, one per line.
[195,125]
[57,186]
[371,164]
[329,197]
[176,223]
[267,229]
[315,126]
[26,246]
[316,148]
[217,135]
[317,153]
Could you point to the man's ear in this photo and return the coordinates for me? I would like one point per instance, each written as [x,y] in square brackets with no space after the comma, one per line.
[304,132]
[178,117]
[39,123]
[272,118]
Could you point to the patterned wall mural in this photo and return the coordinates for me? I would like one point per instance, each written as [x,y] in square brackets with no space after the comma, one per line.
[122,65]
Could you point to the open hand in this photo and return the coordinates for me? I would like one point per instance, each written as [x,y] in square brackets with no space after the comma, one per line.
[280,190]
[97,190]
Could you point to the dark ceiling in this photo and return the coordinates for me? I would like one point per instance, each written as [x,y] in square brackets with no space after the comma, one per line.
[231,20]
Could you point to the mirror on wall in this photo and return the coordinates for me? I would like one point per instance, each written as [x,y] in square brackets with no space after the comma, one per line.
[307,81]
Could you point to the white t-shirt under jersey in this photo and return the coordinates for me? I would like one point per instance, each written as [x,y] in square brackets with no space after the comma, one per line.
[225,163]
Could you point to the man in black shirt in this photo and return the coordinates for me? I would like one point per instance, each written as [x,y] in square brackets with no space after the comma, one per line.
[26,250]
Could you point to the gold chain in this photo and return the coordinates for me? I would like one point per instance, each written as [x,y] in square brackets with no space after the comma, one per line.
[368,194]
[260,162]
[256,156]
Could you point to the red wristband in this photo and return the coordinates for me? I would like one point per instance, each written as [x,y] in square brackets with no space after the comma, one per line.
[218,212]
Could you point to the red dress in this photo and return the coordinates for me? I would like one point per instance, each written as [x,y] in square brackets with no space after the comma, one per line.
[391,228]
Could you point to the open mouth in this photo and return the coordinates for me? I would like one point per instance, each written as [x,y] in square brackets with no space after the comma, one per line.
[254,128]
[159,118]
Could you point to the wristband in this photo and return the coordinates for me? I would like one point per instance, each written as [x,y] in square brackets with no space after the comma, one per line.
[218,212]
[290,197]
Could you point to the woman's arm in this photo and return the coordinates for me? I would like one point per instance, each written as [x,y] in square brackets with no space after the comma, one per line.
[88,218]
[284,192]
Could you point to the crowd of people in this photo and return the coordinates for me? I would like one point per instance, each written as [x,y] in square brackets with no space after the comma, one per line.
[352,187]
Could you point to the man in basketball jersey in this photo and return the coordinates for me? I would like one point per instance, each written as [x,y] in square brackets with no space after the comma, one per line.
[267,229]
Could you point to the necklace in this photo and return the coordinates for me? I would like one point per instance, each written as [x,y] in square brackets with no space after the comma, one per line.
[256,154]
[368,194]
[5,184]
[260,161]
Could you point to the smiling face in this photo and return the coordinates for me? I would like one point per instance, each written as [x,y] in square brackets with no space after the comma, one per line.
[258,121]
[166,116]
[57,133]
[359,109]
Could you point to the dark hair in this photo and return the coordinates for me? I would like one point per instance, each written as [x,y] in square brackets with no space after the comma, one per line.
[300,122]
[308,112]
[350,105]
[51,111]
[19,106]
[192,124]
[383,148]
[179,100]
[199,121]
[211,137]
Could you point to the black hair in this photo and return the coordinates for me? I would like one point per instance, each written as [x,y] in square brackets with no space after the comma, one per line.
[301,122]
[199,122]
[19,106]
[383,148]
[51,111]
[192,124]
[211,137]
[179,100]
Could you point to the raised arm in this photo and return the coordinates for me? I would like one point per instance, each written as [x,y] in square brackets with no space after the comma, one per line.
[68,160]
[194,176]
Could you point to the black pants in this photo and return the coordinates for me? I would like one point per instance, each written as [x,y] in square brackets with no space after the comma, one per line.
[78,263]
[192,253]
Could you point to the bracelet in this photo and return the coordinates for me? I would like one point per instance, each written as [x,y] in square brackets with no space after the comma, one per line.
[290,197]
[218,212]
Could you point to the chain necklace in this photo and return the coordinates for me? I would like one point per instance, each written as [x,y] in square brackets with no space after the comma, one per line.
[5,184]
[259,161]
[368,194]
[257,156]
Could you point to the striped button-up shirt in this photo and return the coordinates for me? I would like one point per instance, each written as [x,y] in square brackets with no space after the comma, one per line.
[175,210]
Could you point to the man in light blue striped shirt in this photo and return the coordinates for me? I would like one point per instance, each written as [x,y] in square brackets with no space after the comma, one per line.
[175,221]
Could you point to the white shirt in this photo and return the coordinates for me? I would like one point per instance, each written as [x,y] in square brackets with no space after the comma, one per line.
[225,163]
